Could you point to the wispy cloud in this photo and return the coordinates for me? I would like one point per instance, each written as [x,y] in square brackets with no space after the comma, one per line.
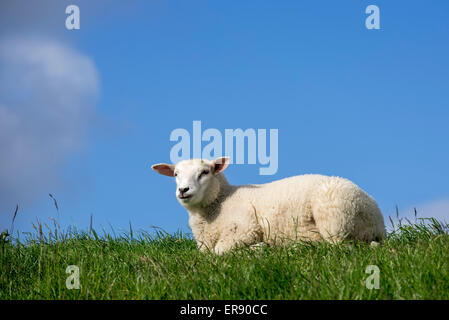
[438,209]
[47,100]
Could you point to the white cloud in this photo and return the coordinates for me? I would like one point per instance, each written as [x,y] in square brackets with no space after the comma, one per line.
[47,100]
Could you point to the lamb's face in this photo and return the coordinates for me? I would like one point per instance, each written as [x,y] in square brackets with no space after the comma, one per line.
[193,180]
[196,181]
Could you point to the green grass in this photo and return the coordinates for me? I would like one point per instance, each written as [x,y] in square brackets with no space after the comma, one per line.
[413,264]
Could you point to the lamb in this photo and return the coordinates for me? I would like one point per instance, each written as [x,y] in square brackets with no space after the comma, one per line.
[307,207]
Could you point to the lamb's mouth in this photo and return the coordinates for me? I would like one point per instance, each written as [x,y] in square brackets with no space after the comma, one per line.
[185,197]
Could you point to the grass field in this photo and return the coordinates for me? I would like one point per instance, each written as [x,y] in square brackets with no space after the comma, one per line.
[413,264]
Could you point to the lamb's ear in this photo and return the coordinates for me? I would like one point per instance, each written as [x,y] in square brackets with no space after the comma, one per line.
[220,164]
[165,169]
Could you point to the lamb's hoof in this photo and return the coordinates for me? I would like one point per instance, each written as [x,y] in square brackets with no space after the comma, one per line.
[259,245]
[219,252]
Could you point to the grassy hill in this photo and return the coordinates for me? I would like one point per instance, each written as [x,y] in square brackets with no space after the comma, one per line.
[413,264]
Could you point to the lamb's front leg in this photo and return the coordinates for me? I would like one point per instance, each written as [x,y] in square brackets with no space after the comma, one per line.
[236,235]
[223,246]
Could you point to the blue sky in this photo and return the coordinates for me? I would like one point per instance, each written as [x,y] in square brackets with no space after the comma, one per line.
[368,105]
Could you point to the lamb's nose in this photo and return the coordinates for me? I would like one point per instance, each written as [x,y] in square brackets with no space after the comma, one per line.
[184,190]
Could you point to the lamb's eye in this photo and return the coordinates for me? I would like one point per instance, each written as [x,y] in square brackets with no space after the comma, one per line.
[176,174]
[204,172]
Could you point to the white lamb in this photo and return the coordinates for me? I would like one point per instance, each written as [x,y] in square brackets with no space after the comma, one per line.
[306,207]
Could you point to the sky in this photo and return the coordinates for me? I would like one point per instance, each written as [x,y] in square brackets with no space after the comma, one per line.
[85,113]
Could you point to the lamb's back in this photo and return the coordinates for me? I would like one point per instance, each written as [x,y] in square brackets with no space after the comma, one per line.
[280,206]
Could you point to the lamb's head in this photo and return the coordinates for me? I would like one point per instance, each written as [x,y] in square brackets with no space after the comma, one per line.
[198,181]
